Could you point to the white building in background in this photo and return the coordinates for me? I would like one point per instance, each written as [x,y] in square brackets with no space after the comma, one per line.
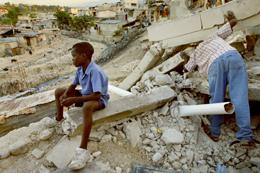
[74,11]
[106,14]
[134,4]
[83,12]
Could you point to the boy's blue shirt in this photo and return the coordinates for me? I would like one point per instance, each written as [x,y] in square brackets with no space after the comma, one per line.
[93,80]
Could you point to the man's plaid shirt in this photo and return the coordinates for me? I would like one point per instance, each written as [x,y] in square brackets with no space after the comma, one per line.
[210,49]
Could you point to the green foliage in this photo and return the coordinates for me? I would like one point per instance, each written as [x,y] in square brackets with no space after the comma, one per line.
[33,15]
[64,19]
[11,17]
[5,21]
[81,23]
[77,23]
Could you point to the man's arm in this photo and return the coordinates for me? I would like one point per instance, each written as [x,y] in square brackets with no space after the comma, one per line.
[190,63]
[227,29]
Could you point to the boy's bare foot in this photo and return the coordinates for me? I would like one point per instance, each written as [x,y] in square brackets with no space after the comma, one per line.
[80,159]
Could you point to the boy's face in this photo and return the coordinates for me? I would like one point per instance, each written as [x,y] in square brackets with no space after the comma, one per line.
[79,59]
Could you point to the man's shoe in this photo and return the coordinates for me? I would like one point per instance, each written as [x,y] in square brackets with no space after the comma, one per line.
[245,143]
[80,159]
[208,133]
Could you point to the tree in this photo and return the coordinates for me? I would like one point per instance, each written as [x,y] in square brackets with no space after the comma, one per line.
[11,17]
[81,23]
[77,23]
[63,18]
[33,15]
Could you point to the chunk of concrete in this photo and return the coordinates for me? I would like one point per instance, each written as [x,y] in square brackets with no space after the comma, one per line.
[133,133]
[46,134]
[149,60]
[170,64]
[125,107]
[172,136]
[62,153]
[163,79]
[4,153]
[157,157]
[20,147]
[178,9]
[37,153]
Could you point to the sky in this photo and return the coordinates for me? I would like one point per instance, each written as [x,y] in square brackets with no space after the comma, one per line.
[71,3]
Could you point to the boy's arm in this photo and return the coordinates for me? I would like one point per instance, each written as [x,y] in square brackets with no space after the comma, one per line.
[71,100]
[70,89]
[98,85]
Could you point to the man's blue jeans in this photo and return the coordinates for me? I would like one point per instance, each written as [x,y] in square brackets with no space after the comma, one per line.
[229,69]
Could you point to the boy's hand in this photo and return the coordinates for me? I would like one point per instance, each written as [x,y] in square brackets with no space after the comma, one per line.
[68,101]
[64,96]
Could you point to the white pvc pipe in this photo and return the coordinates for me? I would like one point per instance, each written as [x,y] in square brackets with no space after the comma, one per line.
[206,109]
[118,91]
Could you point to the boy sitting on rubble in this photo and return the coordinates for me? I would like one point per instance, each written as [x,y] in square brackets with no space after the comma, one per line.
[92,97]
[224,65]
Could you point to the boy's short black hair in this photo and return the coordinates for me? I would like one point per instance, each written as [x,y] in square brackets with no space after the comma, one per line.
[83,48]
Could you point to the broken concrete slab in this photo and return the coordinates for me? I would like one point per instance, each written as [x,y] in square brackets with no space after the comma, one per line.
[170,64]
[208,15]
[22,105]
[149,60]
[242,9]
[188,38]
[62,153]
[125,107]
[174,28]
[133,133]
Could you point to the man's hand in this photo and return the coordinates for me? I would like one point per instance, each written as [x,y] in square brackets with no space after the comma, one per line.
[185,57]
[68,101]
[231,18]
